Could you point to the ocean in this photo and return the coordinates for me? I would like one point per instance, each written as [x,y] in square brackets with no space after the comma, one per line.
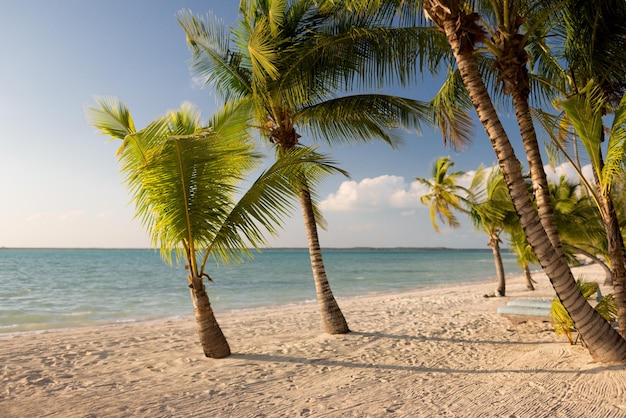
[42,289]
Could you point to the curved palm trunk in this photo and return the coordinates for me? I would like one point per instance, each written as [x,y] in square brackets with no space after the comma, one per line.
[212,339]
[603,342]
[333,321]
[494,243]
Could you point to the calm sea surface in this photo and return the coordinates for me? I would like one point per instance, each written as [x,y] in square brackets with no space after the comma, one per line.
[62,288]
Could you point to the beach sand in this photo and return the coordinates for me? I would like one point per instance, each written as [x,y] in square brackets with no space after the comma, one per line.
[441,352]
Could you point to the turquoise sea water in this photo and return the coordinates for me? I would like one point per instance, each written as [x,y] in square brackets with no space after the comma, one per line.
[61,288]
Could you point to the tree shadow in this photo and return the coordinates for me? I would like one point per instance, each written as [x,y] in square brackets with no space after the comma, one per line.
[417,369]
[450,340]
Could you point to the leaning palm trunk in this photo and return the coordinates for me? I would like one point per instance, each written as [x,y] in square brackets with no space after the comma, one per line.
[494,243]
[333,321]
[212,339]
[603,342]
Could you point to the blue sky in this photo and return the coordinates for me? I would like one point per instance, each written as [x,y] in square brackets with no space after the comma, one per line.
[61,185]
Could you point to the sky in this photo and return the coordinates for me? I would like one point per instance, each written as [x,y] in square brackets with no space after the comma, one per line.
[59,179]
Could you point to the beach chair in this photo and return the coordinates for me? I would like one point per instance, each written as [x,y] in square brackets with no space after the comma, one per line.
[525,310]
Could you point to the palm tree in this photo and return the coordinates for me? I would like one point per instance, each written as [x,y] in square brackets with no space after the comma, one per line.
[584,111]
[492,212]
[184,176]
[594,50]
[518,243]
[488,206]
[445,194]
[293,62]
[464,33]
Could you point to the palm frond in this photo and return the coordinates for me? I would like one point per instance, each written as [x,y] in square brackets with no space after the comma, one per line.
[585,115]
[363,118]
[354,57]
[450,111]
[270,198]
[262,51]
[111,117]
[616,149]
[213,60]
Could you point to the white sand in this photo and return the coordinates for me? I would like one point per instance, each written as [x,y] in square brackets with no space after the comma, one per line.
[433,353]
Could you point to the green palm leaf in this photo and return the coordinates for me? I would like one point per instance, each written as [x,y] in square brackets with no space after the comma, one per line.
[616,149]
[585,114]
[111,117]
[213,61]
[362,118]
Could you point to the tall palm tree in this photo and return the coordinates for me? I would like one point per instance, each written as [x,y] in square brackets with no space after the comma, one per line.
[593,47]
[184,176]
[463,31]
[584,111]
[293,62]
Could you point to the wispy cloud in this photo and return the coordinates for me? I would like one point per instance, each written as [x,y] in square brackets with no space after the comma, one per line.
[70,215]
[55,216]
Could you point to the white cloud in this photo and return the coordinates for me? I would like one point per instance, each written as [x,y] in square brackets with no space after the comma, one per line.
[375,194]
[566,169]
[383,192]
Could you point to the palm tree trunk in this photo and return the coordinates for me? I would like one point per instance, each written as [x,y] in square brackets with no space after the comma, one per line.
[212,339]
[333,321]
[608,273]
[603,342]
[494,243]
[529,278]
[538,177]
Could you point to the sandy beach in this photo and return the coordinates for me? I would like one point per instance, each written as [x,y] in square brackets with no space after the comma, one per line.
[441,352]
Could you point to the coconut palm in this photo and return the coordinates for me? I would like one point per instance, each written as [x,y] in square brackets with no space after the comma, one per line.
[293,61]
[488,205]
[184,178]
[444,195]
[460,23]
[518,243]
[594,48]
[492,212]
[584,111]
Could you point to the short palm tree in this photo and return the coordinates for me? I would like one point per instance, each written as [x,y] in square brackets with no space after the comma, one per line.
[293,62]
[445,195]
[184,178]
[486,203]
[493,213]
[524,252]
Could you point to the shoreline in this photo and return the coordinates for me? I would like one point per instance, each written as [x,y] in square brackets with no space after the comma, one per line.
[54,327]
[421,353]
